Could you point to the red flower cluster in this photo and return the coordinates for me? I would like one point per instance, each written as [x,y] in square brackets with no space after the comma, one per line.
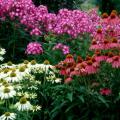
[105,91]
[71,67]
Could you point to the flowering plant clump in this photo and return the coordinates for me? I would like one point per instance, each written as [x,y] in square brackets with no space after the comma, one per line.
[77,84]
[34,48]
[19,82]
[69,22]
[64,48]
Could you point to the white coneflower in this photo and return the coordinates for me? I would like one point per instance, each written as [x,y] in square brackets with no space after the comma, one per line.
[22,71]
[5,73]
[2,51]
[8,116]
[23,105]
[13,77]
[36,108]
[58,80]
[7,92]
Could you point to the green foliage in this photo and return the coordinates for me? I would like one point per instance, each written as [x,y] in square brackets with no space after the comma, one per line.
[55,5]
[108,5]
[81,99]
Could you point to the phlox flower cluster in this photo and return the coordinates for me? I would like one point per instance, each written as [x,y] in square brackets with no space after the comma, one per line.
[38,20]
[34,48]
[62,47]
[73,23]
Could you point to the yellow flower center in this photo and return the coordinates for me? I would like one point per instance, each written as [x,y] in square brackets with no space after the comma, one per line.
[6,70]
[13,74]
[9,63]
[6,90]
[33,62]
[22,69]
[26,61]
[46,62]
[7,114]
[4,83]
[23,100]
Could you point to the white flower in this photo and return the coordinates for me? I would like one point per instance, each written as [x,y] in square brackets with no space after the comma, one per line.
[8,116]
[1,58]
[13,77]
[7,92]
[22,71]
[23,105]
[2,51]
[36,108]
[5,73]
[58,80]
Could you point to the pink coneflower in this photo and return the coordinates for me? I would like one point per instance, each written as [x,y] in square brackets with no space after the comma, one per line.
[79,69]
[105,91]
[113,19]
[95,62]
[63,71]
[99,34]
[69,59]
[94,45]
[68,80]
[110,57]
[106,44]
[116,62]
[89,68]
[79,59]
[104,16]
[34,48]
[114,43]
[98,56]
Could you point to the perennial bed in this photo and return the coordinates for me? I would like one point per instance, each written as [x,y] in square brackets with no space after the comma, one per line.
[65,66]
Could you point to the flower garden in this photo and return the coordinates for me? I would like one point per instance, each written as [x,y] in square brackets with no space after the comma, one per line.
[58,66]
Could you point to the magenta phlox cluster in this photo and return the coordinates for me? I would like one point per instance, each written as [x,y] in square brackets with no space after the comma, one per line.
[64,48]
[38,20]
[34,48]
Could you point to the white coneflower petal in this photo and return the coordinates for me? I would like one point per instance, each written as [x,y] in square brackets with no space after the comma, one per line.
[7,92]
[1,58]
[23,105]
[58,80]
[13,77]
[8,116]
[2,51]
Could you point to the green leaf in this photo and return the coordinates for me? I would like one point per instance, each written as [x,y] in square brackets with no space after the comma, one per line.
[82,99]
[101,98]
[70,96]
